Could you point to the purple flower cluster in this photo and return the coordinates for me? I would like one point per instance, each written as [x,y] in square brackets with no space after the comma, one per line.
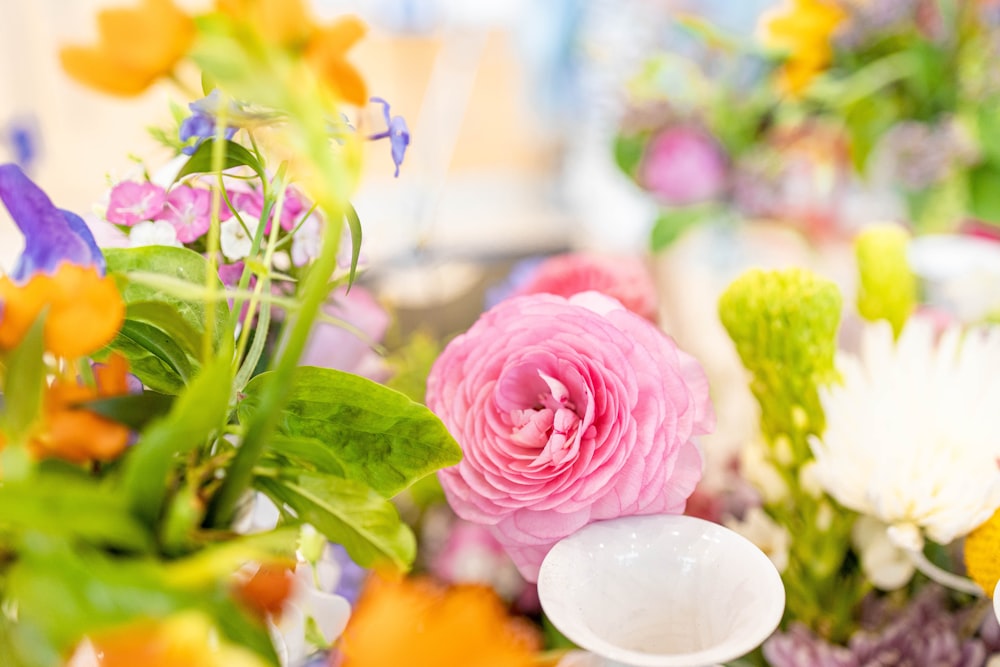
[924,633]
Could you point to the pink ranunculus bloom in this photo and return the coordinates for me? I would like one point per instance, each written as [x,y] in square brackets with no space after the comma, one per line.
[568,411]
[131,202]
[683,165]
[624,278]
[189,212]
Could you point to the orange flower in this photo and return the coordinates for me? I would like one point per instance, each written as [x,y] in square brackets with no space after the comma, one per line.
[286,23]
[74,433]
[84,312]
[803,30]
[420,624]
[267,589]
[136,47]
[186,639]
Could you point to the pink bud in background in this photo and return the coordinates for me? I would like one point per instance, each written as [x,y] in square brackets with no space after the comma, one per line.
[683,165]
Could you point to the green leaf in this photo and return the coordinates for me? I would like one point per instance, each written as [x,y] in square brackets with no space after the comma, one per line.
[139,340]
[348,513]
[174,263]
[163,316]
[628,151]
[354,224]
[196,414]
[24,381]
[134,410]
[984,192]
[67,506]
[381,437]
[671,224]
[307,453]
[63,594]
[236,156]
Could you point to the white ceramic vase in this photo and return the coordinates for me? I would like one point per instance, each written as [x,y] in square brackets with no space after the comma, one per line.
[661,591]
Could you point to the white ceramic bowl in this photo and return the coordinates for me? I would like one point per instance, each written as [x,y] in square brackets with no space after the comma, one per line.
[661,591]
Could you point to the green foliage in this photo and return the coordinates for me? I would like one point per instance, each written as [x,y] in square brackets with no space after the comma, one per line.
[784,325]
[671,224]
[162,334]
[359,429]
[200,161]
[887,288]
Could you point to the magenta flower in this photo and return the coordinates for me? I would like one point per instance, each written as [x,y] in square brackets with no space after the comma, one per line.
[189,212]
[682,166]
[251,204]
[568,411]
[133,202]
[624,278]
[333,346]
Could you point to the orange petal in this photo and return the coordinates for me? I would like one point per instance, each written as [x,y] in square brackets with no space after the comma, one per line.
[86,311]
[326,54]
[20,306]
[149,38]
[96,69]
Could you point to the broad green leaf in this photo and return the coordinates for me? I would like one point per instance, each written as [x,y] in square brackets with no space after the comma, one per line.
[381,437]
[163,316]
[154,372]
[173,263]
[140,339]
[348,513]
[24,381]
[67,506]
[195,415]
[236,156]
[307,454]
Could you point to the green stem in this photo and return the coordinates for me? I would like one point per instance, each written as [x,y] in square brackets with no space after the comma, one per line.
[214,235]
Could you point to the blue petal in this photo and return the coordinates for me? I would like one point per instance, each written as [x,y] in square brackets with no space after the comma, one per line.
[51,236]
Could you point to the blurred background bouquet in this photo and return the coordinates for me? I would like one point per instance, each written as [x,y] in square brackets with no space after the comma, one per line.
[831,115]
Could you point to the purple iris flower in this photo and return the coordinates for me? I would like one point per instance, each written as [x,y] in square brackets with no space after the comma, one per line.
[51,235]
[200,124]
[396,131]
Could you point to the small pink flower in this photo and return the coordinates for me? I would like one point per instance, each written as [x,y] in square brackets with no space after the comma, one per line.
[568,411]
[251,203]
[682,166]
[623,278]
[189,212]
[132,202]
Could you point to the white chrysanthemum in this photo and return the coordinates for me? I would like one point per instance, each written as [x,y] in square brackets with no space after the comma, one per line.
[913,433]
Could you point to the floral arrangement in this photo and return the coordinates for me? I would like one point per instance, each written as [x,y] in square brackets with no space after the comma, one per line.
[848,112]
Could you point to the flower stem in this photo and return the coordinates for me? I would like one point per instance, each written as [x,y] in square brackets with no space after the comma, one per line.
[943,577]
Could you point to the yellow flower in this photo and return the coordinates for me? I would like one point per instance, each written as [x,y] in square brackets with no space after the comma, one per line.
[982,554]
[420,624]
[803,30]
[84,310]
[186,639]
[287,24]
[136,46]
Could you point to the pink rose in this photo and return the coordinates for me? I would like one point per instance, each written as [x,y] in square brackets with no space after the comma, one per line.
[683,165]
[624,278]
[569,411]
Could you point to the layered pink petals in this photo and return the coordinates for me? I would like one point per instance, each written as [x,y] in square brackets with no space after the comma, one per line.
[568,411]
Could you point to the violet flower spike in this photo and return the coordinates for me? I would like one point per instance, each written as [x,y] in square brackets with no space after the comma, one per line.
[51,235]
[396,131]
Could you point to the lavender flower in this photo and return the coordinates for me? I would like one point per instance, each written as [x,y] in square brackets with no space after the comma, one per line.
[871,18]
[396,132]
[22,136]
[921,154]
[51,235]
[924,633]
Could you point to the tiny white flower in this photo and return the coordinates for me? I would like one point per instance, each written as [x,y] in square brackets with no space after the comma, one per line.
[236,241]
[153,232]
[770,537]
[306,241]
[913,433]
[281,261]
